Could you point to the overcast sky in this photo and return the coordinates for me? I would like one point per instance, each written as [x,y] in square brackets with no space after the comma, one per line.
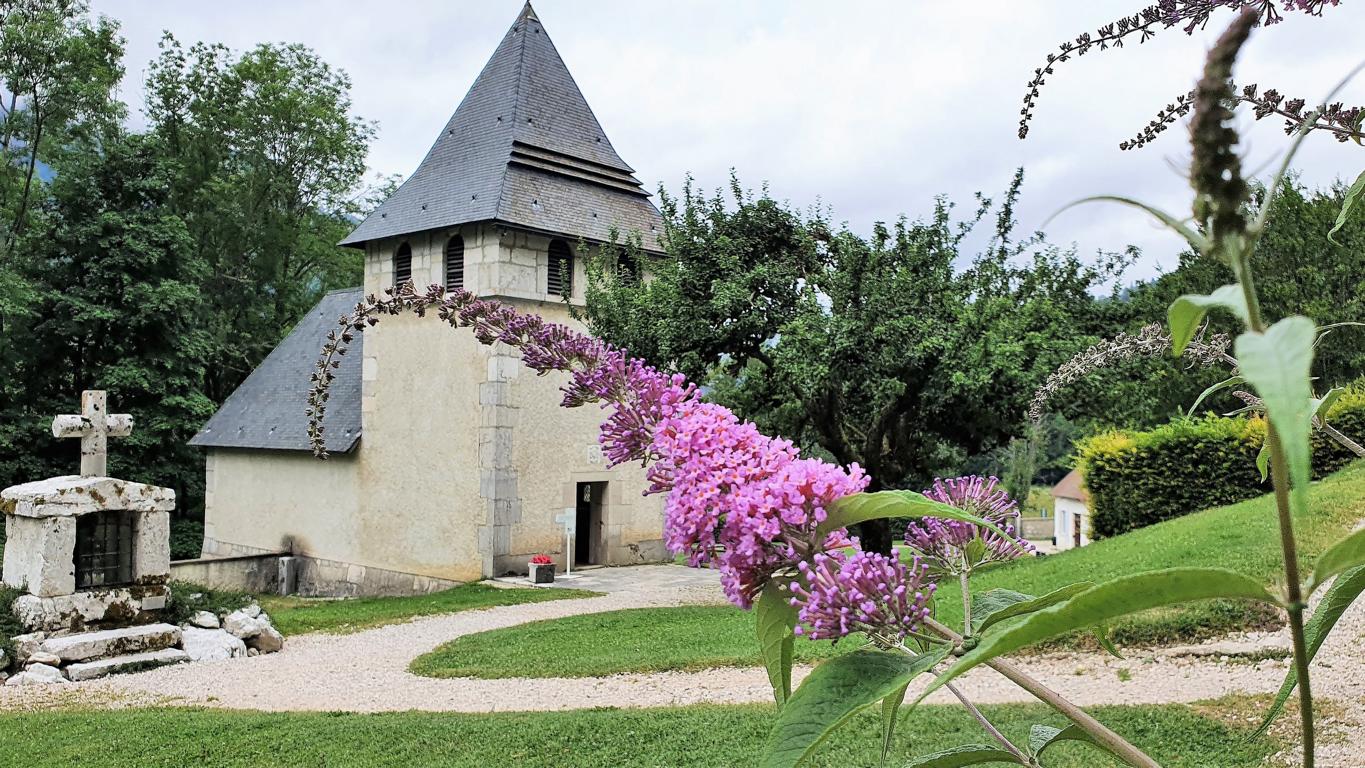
[870,108]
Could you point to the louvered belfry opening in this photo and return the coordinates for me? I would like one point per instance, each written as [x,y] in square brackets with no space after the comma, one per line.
[104,549]
[402,264]
[455,263]
[560,279]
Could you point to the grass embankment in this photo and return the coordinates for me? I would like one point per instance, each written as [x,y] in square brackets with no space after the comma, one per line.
[298,615]
[700,736]
[1242,537]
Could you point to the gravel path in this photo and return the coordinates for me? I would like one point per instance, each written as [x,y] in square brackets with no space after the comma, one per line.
[367,671]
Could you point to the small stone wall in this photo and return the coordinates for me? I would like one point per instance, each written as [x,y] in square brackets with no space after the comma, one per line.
[258,573]
[234,566]
[1036,528]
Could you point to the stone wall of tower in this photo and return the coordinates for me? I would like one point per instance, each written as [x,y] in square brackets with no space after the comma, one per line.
[466,456]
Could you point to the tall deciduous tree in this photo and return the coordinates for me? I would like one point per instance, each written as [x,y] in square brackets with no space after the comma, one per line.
[58,70]
[117,306]
[271,160]
[887,351]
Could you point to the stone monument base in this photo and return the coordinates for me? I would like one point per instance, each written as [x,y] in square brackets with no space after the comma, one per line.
[92,609]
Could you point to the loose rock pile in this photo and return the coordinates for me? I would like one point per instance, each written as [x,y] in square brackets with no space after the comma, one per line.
[42,659]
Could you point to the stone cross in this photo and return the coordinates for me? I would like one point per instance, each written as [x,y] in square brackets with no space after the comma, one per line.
[94,426]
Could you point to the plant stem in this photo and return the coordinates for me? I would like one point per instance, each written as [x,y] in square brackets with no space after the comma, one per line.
[991,729]
[1097,730]
[1279,471]
[965,579]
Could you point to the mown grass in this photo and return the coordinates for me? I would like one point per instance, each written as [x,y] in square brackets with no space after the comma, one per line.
[298,615]
[592,645]
[698,737]
[1242,537]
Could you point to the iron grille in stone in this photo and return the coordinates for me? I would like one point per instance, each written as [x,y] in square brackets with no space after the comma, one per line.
[104,549]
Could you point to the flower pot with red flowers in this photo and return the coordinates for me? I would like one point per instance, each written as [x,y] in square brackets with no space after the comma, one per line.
[542,570]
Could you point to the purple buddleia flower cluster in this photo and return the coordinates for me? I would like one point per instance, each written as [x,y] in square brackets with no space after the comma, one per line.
[840,594]
[956,546]
[743,500]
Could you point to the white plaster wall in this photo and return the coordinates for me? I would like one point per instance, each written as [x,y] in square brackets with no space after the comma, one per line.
[419,479]
[1068,513]
[263,500]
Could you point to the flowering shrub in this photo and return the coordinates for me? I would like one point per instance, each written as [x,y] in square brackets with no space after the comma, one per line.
[541,560]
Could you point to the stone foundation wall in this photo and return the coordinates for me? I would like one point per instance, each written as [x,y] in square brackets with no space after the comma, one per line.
[332,578]
[256,572]
[237,566]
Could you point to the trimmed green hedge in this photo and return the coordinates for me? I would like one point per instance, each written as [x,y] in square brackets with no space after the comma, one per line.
[1136,478]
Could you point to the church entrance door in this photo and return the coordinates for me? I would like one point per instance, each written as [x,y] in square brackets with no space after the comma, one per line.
[587,541]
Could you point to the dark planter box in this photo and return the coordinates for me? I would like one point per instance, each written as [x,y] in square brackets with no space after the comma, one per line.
[542,574]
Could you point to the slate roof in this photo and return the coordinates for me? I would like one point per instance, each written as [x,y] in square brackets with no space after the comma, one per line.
[523,148]
[268,409]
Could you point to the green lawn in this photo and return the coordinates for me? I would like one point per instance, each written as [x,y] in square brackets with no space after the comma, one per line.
[297,615]
[592,645]
[1241,537]
[698,737]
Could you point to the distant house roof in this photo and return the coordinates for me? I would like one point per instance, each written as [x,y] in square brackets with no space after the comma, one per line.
[523,148]
[269,409]
[1071,487]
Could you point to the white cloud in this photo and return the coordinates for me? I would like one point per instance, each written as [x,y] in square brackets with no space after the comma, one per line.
[870,107]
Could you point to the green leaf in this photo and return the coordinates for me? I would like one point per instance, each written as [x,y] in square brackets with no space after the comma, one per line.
[1224,384]
[861,507]
[1102,637]
[996,605]
[1344,555]
[1334,603]
[775,619]
[1040,737]
[891,707]
[835,691]
[1278,364]
[1353,196]
[1319,406]
[971,754]
[1105,602]
[1196,240]
[1188,311]
[1263,460]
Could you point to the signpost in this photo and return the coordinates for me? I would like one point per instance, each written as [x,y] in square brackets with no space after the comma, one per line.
[569,519]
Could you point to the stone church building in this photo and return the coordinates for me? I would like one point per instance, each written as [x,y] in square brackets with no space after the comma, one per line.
[450,460]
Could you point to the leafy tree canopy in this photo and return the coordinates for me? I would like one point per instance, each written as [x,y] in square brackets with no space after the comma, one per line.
[899,351]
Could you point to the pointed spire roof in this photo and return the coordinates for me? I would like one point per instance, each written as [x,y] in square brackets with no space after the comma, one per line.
[525,149]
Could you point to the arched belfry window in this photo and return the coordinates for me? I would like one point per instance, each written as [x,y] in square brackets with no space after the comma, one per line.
[402,264]
[455,263]
[560,279]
